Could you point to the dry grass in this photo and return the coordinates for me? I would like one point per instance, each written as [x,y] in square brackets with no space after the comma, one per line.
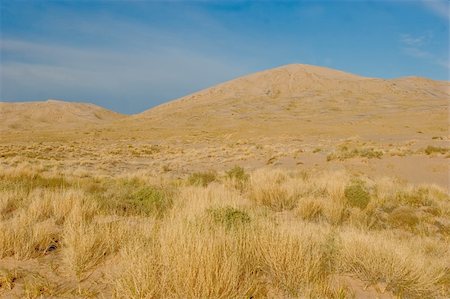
[268,233]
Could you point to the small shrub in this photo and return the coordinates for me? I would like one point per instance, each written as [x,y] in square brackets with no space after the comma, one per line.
[134,198]
[435,149]
[370,153]
[228,216]
[151,200]
[345,153]
[238,177]
[357,195]
[237,173]
[202,178]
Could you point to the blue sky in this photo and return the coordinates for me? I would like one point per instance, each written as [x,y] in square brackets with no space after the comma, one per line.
[131,55]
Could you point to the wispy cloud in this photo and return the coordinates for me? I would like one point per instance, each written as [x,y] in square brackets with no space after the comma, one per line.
[416,46]
[439,7]
[413,41]
[53,69]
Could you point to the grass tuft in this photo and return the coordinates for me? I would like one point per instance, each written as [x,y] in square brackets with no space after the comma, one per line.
[202,178]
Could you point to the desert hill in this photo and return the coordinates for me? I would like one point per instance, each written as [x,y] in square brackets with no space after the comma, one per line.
[292,101]
[52,114]
[303,100]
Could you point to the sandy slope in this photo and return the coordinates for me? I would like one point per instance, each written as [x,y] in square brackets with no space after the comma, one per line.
[52,114]
[308,100]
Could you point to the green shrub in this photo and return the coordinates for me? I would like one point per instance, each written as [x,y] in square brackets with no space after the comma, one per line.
[238,177]
[357,195]
[149,200]
[228,216]
[202,178]
[237,173]
[133,198]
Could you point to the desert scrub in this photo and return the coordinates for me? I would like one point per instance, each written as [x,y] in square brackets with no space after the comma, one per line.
[415,197]
[435,149]
[357,194]
[310,209]
[272,188]
[202,178]
[238,177]
[375,259]
[237,173]
[297,264]
[403,217]
[29,182]
[132,197]
[344,153]
[228,216]
[87,245]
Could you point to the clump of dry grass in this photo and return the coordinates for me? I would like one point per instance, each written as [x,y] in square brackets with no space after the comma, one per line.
[37,286]
[272,189]
[375,259]
[87,245]
[202,178]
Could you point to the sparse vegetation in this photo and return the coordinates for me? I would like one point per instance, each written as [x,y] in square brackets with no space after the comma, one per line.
[228,216]
[435,149]
[344,153]
[282,235]
[202,178]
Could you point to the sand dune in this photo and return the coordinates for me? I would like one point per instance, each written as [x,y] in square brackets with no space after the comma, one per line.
[294,100]
[52,114]
[303,100]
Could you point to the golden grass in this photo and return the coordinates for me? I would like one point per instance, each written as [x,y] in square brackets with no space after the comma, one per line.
[268,233]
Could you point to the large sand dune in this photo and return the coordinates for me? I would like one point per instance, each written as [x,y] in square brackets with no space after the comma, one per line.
[303,100]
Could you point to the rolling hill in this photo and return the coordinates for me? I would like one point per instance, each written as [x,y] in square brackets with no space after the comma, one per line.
[52,115]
